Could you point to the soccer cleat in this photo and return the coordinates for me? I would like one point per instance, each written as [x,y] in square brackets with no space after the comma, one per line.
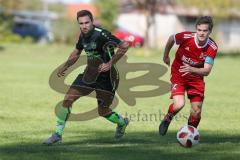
[120,130]
[163,127]
[55,138]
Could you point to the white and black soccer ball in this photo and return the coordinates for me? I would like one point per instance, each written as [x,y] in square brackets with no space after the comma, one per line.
[188,136]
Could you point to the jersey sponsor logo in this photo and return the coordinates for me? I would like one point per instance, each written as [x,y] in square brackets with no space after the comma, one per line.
[191,62]
[188,60]
[92,54]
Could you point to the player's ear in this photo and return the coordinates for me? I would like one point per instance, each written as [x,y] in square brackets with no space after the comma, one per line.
[210,30]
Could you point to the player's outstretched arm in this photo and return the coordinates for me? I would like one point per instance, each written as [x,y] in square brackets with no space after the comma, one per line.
[71,60]
[122,49]
[167,49]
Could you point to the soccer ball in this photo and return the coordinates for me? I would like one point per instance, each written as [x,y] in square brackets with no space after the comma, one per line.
[188,136]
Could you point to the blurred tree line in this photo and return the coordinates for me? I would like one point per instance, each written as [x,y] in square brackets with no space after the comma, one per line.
[8,7]
[63,32]
[220,9]
[217,8]
[108,11]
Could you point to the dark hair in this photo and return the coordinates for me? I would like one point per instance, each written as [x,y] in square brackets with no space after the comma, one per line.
[83,13]
[205,20]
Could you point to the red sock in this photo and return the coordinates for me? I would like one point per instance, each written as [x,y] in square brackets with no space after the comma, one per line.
[194,120]
[171,113]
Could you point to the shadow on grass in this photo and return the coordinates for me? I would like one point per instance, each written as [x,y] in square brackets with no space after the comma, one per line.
[1,48]
[135,145]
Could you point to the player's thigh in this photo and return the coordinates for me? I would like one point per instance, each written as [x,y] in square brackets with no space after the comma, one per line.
[179,101]
[178,94]
[74,93]
[195,94]
[104,111]
[195,91]
[177,88]
[104,98]
[78,89]
[105,91]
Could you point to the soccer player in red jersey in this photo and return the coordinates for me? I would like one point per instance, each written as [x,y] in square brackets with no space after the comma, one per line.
[193,60]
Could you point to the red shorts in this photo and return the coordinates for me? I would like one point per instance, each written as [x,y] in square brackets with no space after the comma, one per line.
[194,89]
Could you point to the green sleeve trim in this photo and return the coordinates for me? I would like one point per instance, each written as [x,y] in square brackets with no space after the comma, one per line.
[109,53]
[98,29]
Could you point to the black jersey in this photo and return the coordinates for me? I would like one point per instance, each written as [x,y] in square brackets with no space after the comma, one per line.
[98,44]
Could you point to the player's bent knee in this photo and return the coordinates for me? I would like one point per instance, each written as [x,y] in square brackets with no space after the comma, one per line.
[68,102]
[103,111]
[179,105]
[196,111]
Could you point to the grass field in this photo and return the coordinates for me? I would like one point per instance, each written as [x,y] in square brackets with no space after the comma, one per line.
[27,113]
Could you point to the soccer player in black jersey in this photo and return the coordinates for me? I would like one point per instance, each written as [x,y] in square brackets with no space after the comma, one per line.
[100,75]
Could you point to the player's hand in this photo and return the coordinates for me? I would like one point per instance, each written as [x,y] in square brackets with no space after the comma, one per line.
[166,60]
[185,69]
[61,71]
[104,67]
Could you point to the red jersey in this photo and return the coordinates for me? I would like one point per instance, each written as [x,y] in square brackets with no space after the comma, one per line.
[191,53]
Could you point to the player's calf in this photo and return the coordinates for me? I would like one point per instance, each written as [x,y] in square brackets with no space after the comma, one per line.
[163,127]
[172,111]
[195,116]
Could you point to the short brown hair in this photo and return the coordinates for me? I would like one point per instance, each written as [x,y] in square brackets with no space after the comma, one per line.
[83,13]
[205,20]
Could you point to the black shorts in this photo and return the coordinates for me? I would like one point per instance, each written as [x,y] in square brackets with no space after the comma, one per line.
[104,86]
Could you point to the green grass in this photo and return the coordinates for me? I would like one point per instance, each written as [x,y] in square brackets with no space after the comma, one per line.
[27,113]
